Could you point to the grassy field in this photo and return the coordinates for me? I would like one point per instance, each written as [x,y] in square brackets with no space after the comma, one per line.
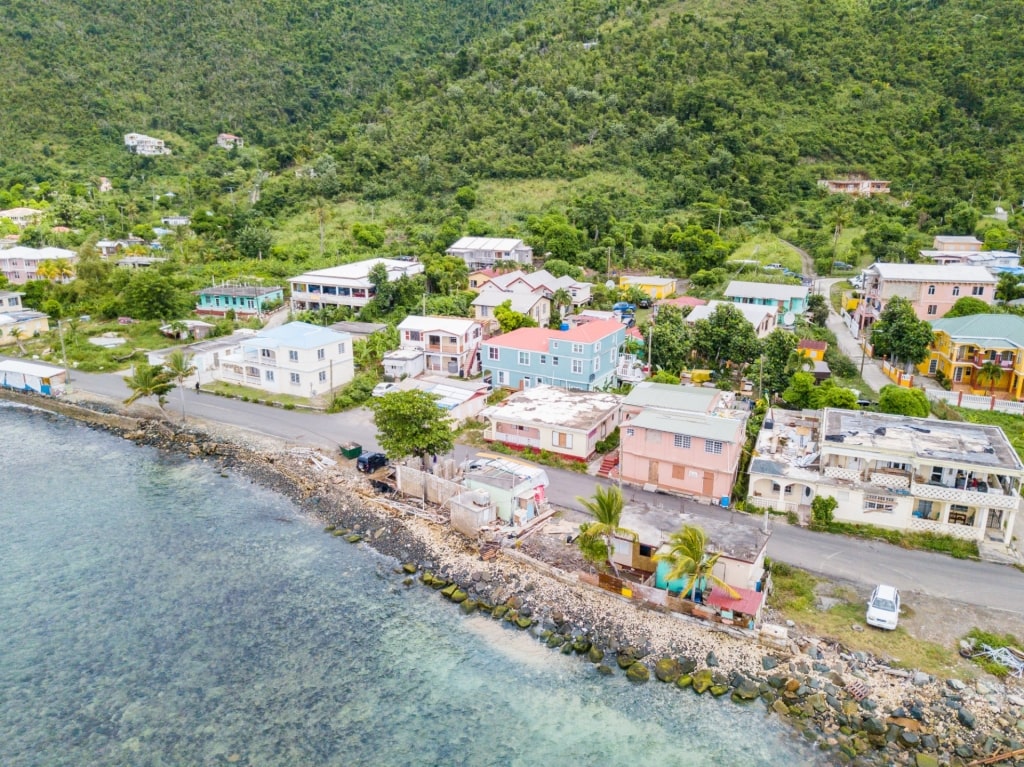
[768,249]
[256,395]
[796,597]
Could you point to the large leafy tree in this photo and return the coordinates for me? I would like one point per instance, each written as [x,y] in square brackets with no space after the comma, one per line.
[411,423]
[817,309]
[605,505]
[726,336]
[688,558]
[509,319]
[900,335]
[968,305]
[670,339]
[776,350]
[150,295]
[900,400]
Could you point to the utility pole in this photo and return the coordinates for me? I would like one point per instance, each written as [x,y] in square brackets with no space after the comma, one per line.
[64,354]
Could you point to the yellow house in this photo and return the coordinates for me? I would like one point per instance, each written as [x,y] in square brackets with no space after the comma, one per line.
[962,346]
[812,349]
[656,287]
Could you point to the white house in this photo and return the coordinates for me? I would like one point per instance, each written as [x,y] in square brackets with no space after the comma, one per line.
[145,145]
[461,400]
[229,141]
[346,285]
[953,478]
[21,264]
[533,304]
[22,217]
[542,281]
[176,220]
[449,344]
[296,358]
[763,318]
[206,355]
[484,252]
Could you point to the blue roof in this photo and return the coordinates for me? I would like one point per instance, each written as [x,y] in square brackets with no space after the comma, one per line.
[300,335]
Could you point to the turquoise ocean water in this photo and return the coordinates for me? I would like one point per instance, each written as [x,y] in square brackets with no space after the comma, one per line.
[153,612]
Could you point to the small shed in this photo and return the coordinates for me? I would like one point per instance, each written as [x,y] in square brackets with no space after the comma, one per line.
[23,375]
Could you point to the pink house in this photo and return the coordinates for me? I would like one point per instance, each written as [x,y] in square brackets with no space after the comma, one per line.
[931,288]
[685,440]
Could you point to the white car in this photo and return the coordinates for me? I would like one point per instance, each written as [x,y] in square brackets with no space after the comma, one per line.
[384,388]
[884,607]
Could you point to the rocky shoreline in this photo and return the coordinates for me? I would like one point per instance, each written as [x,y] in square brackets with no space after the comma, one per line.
[853,707]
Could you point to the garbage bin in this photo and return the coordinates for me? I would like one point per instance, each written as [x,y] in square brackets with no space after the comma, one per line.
[351,449]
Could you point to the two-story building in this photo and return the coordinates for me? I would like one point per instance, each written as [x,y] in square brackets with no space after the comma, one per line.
[147,146]
[485,252]
[681,439]
[345,285]
[582,357]
[18,323]
[21,264]
[534,304]
[787,299]
[447,345]
[22,217]
[229,141]
[541,281]
[855,187]
[246,301]
[763,317]
[655,287]
[296,358]
[962,345]
[932,289]
[548,418]
[952,478]
[968,250]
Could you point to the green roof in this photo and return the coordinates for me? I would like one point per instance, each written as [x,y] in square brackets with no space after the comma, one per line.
[668,397]
[984,330]
[692,424]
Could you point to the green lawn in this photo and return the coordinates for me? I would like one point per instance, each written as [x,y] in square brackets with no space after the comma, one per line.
[766,248]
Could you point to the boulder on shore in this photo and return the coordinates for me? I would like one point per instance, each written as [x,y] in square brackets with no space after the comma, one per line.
[638,672]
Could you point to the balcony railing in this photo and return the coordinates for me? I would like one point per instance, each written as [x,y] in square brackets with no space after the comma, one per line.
[991,499]
[979,360]
[966,532]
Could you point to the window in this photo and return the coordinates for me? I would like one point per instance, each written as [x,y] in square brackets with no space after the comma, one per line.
[597,364]
[597,346]
[294,378]
[630,431]
[932,309]
[611,356]
[561,439]
[577,348]
[502,377]
[554,360]
[524,358]
[492,352]
[266,353]
[956,290]
[880,503]
[293,355]
[682,440]
[933,365]
[577,367]
[269,375]
[713,446]
[320,354]
[323,376]
[341,348]
[646,551]
[931,290]
[978,290]
[543,359]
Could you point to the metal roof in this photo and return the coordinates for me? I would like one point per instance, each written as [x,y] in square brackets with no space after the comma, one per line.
[693,399]
[932,273]
[298,335]
[985,330]
[740,289]
[692,424]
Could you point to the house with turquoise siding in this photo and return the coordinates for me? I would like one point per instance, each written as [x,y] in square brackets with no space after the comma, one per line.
[244,300]
[583,357]
[785,298]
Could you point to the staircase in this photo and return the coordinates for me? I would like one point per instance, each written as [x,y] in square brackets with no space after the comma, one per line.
[609,465]
[473,366]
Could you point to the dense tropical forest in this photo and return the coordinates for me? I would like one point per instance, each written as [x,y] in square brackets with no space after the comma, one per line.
[610,134]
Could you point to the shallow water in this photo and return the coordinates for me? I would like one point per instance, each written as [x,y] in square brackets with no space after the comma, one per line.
[153,612]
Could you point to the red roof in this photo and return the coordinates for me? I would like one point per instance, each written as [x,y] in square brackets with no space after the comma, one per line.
[808,343]
[633,332]
[748,603]
[487,272]
[681,301]
[536,339]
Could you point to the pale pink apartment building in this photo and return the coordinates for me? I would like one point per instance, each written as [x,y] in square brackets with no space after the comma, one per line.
[685,440]
[931,288]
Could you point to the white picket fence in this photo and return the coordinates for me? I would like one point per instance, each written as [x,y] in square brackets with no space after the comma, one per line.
[974,402]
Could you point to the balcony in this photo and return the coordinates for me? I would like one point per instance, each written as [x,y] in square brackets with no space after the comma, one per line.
[992,498]
[445,348]
[978,360]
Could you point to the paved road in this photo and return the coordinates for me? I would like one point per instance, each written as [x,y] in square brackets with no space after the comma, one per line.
[834,556]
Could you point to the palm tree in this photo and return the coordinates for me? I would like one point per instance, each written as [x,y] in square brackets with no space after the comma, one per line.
[63,270]
[989,372]
[178,366]
[46,270]
[688,558]
[149,381]
[606,506]
[17,333]
[560,299]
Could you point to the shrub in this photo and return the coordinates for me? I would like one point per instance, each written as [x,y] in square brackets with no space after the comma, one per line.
[822,509]
[609,443]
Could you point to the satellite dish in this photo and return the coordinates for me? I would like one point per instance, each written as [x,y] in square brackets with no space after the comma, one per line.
[789,319]
[610,284]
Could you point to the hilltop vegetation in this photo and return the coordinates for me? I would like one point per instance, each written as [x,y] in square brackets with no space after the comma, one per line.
[610,133]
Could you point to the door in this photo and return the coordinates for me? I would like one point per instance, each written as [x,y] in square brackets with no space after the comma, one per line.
[709,483]
[652,472]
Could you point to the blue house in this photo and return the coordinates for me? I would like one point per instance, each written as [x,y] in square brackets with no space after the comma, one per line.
[785,298]
[245,300]
[583,357]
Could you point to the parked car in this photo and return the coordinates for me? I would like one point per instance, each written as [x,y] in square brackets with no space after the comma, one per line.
[644,303]
[842,266]
[370,462]
[884,607]
[624,307]
[383,388]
